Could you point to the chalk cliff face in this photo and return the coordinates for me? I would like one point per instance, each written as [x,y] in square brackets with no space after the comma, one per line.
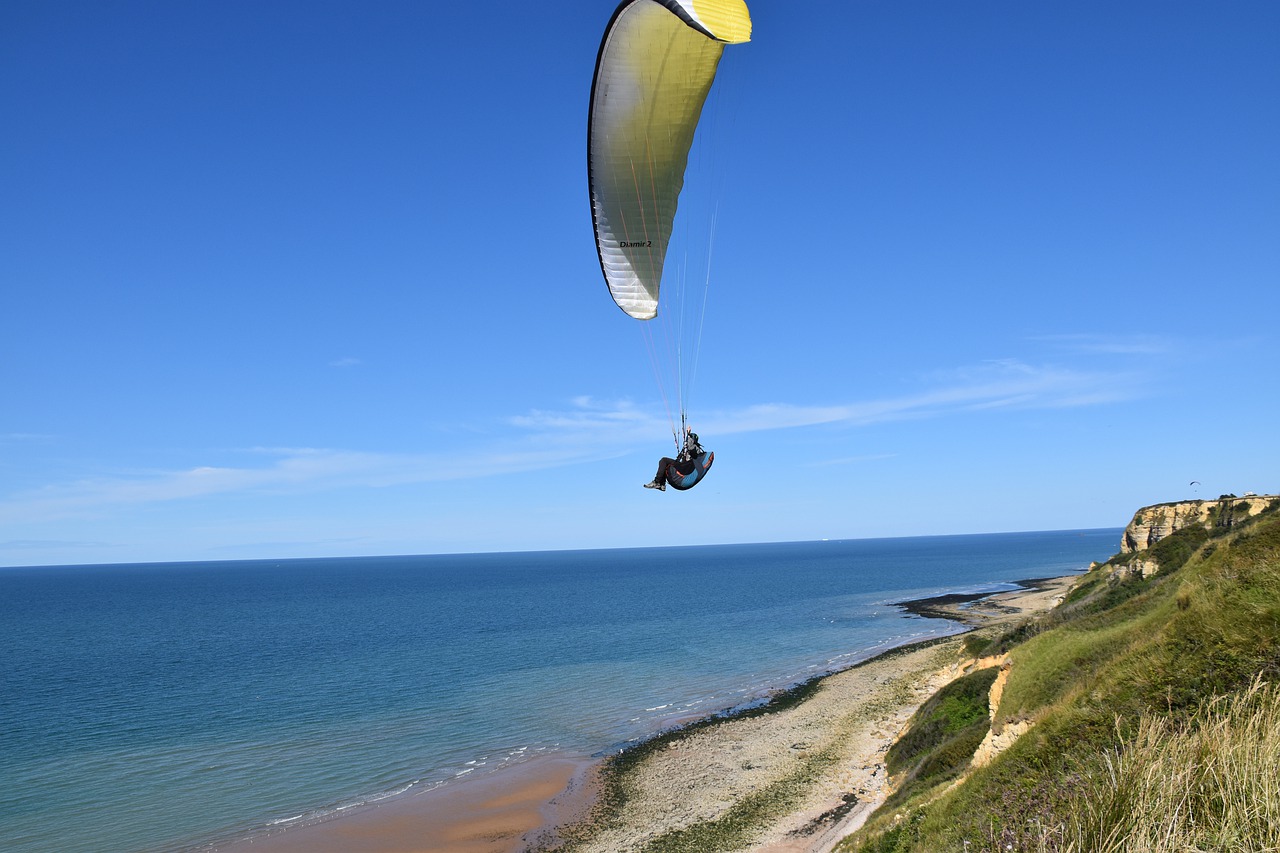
[1153,523]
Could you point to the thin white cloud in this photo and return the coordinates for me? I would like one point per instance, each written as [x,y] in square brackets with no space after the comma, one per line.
[850,460]
[45,544]
[345,362]
[994,385]
[1134,344]
[16,437]
[289,471]
[587,414]
[588,430]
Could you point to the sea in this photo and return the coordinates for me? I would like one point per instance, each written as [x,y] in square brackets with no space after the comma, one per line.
[179,706]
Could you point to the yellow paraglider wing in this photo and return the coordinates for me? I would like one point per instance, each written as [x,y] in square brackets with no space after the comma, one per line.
[656,64]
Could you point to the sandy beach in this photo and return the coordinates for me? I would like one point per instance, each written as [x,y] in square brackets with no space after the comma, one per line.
[793,779]
[493,814]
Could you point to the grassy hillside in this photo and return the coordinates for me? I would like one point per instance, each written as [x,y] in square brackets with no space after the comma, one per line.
[1153,725]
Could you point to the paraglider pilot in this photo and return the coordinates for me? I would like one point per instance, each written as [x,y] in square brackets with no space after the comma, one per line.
[679,468]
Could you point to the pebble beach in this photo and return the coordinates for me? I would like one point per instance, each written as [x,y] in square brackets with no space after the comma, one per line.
[793,776]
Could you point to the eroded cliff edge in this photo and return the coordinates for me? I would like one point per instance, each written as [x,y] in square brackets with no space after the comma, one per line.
[1153,523]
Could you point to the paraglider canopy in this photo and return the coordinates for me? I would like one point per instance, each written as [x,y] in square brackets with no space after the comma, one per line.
[656,64]
[655,68]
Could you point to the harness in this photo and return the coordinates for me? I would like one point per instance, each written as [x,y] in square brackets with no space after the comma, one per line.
[701,464]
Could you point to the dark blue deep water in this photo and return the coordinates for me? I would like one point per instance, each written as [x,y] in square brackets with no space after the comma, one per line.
[165,706]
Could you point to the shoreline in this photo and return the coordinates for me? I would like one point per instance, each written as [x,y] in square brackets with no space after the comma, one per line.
[536,804]
[495,813]
[963,607]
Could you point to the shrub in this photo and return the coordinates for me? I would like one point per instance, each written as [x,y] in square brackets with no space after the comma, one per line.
[943,734]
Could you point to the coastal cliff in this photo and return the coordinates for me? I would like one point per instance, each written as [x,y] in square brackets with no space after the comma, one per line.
[1137,714]
[1153,523]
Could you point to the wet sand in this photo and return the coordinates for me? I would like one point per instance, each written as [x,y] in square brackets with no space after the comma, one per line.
[835,737]
[504,811]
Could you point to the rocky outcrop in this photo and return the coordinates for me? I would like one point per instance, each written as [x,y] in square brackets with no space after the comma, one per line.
[1000,736]
[996,742]
[1153,523]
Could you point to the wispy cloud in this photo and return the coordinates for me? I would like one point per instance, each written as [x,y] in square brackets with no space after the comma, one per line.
[286,471]
[1004,384]
[45,544]
[23,437]
[587,429]
[588,419]
[850,460]
[345,362]
[1133,344]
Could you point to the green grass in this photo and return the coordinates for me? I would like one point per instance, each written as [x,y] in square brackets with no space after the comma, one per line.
[943,734]
[1053,665]
[1209,783]
[1125,668]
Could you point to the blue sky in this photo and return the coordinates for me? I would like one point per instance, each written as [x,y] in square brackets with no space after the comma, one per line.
[310,279]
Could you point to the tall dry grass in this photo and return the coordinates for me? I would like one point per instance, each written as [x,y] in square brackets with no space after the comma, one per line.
[1210,784]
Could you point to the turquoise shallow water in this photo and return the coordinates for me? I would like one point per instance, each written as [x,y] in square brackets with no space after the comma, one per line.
[165,706]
